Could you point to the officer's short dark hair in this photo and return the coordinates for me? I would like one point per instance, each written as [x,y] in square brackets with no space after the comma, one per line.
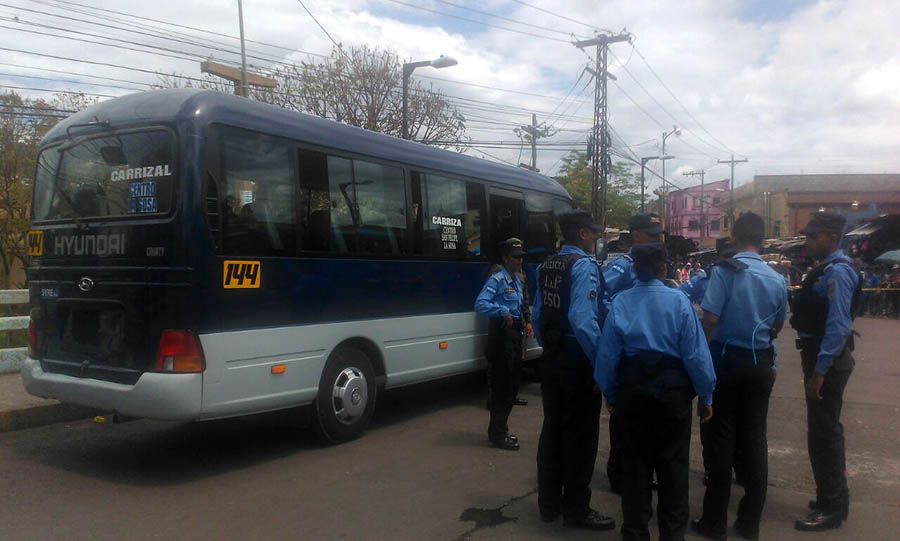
[749,229]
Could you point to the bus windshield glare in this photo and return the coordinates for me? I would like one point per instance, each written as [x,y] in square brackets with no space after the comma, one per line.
[129,174]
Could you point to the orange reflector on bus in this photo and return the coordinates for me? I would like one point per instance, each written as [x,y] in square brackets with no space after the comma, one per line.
[278,369]
[443,345]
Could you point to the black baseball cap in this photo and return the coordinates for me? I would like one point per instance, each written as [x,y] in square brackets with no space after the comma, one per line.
[651,253]
[512,247]
[827,222]
[579,219]
[648,223]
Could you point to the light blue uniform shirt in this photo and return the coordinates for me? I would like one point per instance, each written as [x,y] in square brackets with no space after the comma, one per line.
[748,302]
[618,276]
[837,283]
[584,298]
[653,317]
[501,295]
[695,288]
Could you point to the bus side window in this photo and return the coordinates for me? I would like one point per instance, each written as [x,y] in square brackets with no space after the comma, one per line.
[540,227]
[260,213]
[315,205]
[449,221]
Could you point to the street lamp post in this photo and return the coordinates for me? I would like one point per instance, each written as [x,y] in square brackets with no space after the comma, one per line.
[643,165]
[665,135]
[438,63]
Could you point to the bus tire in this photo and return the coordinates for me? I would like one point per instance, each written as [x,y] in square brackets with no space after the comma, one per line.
[346,397]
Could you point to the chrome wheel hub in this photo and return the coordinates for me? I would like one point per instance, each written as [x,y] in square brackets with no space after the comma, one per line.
[349,395]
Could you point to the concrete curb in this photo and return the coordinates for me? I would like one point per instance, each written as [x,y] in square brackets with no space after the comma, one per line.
[46,414]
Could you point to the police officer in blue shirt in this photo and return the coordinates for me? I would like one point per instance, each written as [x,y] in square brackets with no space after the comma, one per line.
[822,313]
[567,320]
[744,308]
[501,299]
[695,288]
[619,276]
[651,360]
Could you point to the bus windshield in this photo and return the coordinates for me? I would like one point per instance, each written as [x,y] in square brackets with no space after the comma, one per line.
[128,174]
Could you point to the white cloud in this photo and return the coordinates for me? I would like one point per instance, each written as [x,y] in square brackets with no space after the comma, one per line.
[813,89]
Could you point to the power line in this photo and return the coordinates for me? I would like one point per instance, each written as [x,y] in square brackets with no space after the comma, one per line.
[33,89]
[502,18]
[336,44]
[660,105]
[679,101]
[464,83]
[444,14]
[205,31]
[592,27]
[68,81]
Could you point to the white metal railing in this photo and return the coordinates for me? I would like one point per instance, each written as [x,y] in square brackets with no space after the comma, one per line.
[11,358]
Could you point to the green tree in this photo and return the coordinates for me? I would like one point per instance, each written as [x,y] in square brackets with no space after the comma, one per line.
[623,196]
[23,122]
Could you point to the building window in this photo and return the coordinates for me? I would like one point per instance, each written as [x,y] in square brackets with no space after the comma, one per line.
[684,202]
[693,225]
[696,203]
[714,225]
[716,201]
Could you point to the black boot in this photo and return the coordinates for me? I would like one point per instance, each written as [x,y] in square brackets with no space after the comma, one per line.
[818,521]
[845,508]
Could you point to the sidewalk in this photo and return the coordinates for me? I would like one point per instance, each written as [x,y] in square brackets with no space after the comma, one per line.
[19,410]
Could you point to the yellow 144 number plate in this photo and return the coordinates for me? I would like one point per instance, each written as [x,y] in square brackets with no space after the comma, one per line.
[35,243]
[241,275]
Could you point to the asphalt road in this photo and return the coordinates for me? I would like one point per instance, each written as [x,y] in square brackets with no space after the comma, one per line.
[424,470]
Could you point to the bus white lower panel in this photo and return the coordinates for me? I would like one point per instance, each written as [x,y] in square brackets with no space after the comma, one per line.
[172,397]
[239,377]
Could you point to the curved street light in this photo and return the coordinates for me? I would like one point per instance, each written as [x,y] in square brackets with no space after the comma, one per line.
[438,63]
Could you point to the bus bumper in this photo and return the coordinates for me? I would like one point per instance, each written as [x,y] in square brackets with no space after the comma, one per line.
[170,397]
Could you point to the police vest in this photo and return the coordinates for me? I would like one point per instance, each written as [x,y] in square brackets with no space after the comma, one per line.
[809,310]
[555,280]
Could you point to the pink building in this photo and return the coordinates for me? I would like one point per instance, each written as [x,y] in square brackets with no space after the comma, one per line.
[696,212]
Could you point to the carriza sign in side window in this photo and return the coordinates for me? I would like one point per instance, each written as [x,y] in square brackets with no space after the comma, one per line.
[129,174]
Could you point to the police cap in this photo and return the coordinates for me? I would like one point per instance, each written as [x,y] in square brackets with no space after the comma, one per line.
[648,223]
[725,247]
[578,219]
[652,254]
[512,247]
[827,222]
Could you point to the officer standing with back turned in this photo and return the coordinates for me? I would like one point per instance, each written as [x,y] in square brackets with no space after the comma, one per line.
[619,276]
[501,299]
[566,314]
[743,310]
[822,313]
[651,361]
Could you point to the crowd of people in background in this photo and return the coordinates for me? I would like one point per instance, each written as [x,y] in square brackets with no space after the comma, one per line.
[881,284]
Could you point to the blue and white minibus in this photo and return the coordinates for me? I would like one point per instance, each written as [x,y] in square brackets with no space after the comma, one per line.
[195,255]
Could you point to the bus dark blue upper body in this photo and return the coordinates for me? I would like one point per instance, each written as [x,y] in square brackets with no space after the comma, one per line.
[266,241]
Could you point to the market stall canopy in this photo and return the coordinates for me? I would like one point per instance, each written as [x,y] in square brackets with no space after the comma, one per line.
[889,258]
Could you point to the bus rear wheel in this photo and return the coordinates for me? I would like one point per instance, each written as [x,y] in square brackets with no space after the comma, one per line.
[346,396]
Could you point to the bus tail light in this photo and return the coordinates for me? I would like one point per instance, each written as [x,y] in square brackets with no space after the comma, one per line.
[32,339]
[180,353]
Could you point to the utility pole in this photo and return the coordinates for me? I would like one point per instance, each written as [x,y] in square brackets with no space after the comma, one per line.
[731,162]
[240,79]
[599,142]
[244,91]
[702,174]
[532,133]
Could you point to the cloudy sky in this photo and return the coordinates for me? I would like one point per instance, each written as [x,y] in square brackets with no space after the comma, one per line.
[795,86]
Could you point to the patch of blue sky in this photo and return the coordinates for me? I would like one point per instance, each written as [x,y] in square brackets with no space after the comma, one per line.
[768,11]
